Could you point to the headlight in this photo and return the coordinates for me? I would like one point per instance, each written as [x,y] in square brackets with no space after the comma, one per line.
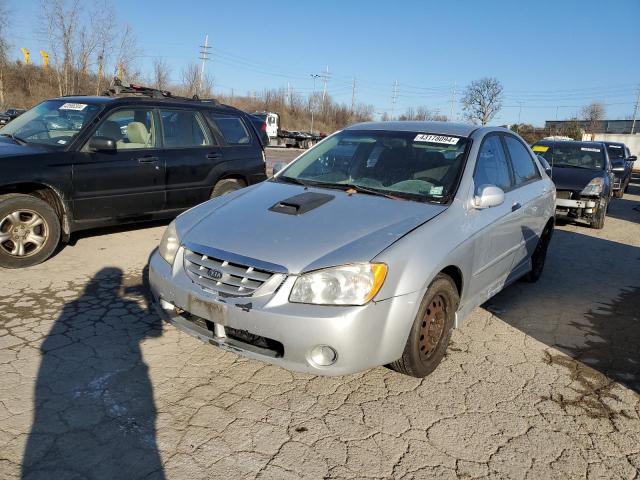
[344,285]
[594,187]
[170,243]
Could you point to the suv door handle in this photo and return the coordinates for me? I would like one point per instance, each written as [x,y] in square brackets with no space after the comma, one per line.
[213,156]
[147,159]
[516,206]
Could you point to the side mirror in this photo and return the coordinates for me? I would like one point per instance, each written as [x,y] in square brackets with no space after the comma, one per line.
[278,166]
[488,196]
[545,165]
[102,144]
[632,158]
[618,166]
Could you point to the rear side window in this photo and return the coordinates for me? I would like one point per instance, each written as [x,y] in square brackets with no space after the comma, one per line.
[492,167]
[524,170]
[184,128]
[232,129]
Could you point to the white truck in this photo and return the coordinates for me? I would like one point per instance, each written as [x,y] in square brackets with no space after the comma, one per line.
[284,138]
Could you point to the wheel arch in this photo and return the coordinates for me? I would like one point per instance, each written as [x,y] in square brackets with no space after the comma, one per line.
[455,273]
[45,192]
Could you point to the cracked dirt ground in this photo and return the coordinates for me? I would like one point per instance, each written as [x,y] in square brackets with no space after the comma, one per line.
[541,383]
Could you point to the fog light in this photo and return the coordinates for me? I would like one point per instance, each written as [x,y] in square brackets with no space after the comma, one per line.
[323,355]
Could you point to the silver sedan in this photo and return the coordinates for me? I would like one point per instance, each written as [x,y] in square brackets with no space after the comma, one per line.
[366,250]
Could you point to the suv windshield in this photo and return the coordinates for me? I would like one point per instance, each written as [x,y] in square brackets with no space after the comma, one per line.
[572,155]
[416,166]
[615,151]
[54,122]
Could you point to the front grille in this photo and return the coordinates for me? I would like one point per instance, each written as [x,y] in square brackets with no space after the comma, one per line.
[221,276]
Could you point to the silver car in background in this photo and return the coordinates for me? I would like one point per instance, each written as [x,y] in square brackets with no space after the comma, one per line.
[365,251]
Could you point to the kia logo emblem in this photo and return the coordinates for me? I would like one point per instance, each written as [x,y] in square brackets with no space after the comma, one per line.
[215,274]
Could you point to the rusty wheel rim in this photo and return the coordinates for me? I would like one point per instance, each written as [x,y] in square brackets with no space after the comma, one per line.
[432,326]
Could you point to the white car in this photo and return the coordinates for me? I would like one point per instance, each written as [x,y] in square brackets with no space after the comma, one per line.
[365,251]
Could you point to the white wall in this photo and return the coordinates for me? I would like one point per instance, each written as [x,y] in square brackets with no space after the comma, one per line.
[631,141]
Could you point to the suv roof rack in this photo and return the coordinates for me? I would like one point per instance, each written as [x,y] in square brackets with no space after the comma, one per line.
[132,90]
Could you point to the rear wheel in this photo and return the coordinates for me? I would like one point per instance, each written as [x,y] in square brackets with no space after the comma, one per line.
[598,218]
[619,193]
[227,185]
[431,330]
[29,230]
[539,255]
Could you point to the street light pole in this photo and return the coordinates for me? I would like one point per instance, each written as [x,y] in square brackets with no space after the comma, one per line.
[313,96]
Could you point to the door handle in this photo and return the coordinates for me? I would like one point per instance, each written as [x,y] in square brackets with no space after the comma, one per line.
[516,206]
[213,156]
[147,159]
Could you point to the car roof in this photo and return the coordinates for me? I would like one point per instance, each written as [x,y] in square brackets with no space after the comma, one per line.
[570,142]
[442,128]
[105,100]
[614,143]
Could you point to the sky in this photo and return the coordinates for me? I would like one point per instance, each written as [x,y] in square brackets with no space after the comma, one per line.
[552,57]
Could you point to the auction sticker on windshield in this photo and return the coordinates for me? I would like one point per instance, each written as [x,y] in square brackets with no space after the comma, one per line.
[540,148]
[73,106]
[589,149]
[423,137]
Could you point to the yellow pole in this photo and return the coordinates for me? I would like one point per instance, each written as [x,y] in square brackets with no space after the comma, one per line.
[25,54]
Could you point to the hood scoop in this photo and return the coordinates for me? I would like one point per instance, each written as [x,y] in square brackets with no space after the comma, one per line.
[302,203]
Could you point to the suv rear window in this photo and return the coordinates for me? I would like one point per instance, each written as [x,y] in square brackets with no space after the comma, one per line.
[232,129]
[184,128]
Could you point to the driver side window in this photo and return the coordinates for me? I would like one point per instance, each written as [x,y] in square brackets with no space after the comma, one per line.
[134,128]
[492,167]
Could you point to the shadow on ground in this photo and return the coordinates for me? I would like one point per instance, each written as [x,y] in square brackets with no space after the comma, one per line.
[94,408]
[587,304]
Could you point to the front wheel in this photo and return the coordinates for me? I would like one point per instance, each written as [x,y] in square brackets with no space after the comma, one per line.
[227,185]
[598,218]
[29,230]
[429,336]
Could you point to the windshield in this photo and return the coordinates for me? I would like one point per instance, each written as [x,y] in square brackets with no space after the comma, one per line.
[54,122]
[415,166]
[572,155]
[615,151]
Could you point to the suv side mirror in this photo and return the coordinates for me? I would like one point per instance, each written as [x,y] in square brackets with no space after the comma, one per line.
[488,196]
[102,144]
[278,166]
[632,158]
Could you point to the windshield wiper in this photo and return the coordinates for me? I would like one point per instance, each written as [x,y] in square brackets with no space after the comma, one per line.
[293,180]
[21,141]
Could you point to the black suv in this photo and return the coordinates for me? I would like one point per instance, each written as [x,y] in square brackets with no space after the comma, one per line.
[131,155]
[9,115]
[622,166]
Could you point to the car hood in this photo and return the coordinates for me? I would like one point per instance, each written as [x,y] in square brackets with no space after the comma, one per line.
[573,178]
[345,229]
[9,148]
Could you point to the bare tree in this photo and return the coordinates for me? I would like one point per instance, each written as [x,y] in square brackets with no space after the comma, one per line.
[482,100]
[4,47]
[593,114]
[190,79]
[161,74]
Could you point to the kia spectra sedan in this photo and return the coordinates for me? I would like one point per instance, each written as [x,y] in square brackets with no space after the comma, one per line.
[365,251]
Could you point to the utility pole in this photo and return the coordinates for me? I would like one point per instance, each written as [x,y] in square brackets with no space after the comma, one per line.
[204,56]
[287,99]
[324,89]
[393,98]
[313,96]
[353,96]
[635,112]
[453,100]
[520,103]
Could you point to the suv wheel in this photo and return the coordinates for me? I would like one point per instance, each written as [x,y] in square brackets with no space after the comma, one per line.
[227,185]
[29,230]
[619,193]
[429,336]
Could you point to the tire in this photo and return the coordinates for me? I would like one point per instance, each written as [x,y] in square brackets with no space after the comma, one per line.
[29,230]
[539,255]
[436,315]
[227,185]
[598,219]
[619,193]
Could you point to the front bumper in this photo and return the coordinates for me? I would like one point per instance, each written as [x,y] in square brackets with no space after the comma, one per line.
[568,203]
[363,336]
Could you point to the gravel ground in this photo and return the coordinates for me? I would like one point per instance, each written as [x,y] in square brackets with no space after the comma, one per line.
[542,382]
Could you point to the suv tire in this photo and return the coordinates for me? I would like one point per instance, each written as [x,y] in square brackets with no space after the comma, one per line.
[29,230]
[227,185]
[431,330]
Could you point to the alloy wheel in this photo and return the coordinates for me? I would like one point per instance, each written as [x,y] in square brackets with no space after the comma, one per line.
[23,233]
